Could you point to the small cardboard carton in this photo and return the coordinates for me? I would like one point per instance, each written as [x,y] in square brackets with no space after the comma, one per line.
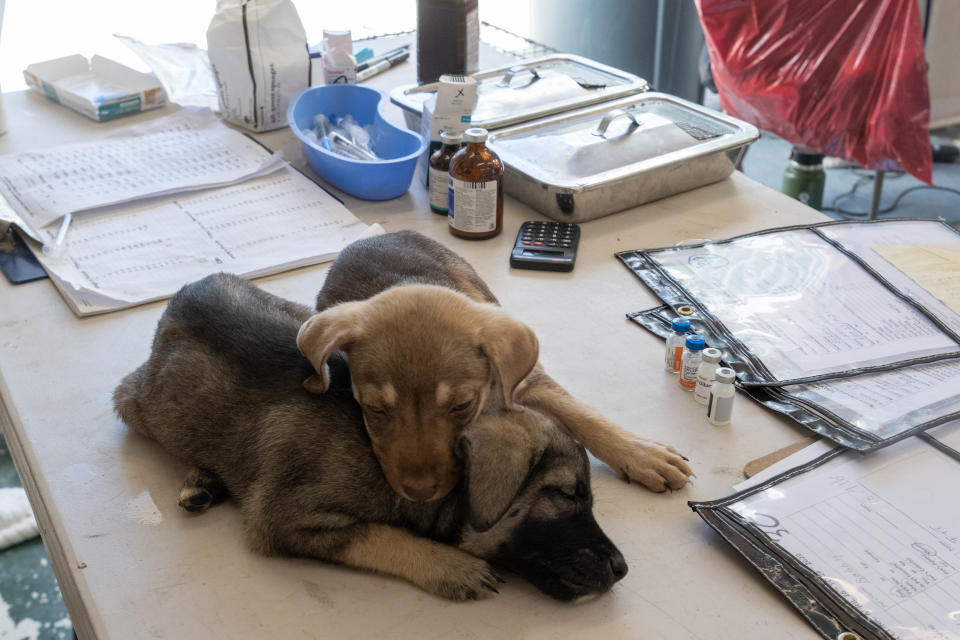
[98,88]
[449,110]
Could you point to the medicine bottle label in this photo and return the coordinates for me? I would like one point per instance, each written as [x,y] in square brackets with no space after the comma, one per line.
[439,189]
[473,205]
[677,358]
[719,409]
[688,374]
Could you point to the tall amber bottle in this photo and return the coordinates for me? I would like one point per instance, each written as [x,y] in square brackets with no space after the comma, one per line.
[476,189]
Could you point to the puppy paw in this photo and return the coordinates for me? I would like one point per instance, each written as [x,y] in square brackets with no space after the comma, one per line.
[201,490]
[656,466]
[463,577]
[195,499]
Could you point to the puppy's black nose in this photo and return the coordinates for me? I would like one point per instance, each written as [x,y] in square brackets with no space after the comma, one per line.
[420,492]
[618,565]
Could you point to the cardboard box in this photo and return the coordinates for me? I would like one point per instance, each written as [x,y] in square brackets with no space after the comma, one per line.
[449,110]
[98,88]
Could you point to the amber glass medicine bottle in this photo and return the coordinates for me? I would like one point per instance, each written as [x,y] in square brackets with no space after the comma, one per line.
[440,171]
[476,189]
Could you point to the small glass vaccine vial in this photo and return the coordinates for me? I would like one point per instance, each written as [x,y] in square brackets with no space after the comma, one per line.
[706,373]
[722,393]
[692,351]
[675,342]
[440,171]
[476,189]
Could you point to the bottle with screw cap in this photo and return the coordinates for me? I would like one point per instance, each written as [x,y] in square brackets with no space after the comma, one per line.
[476,189]
[804,177]
[440,171]
[692,352]
[722,393]
[675,342]
[706,372]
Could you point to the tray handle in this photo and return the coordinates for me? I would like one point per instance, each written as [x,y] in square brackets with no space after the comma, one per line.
[513,71]
[616,114]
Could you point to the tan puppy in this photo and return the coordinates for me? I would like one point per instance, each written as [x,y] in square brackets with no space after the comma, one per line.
[429,348]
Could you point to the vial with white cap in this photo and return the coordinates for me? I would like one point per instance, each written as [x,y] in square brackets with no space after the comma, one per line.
[675,341]
[476,188]
[706,372]
[722,393]
[692,351]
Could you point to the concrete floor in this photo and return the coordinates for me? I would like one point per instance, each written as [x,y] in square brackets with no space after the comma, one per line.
[31,607]
[767,159]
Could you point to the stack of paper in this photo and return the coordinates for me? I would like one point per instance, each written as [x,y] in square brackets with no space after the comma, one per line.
[166,203]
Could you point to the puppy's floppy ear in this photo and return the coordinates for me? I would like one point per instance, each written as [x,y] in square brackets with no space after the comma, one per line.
[499,451]
[512,348]
[322,334]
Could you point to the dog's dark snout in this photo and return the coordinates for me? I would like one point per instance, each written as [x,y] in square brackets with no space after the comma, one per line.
[420,491]
[618,565]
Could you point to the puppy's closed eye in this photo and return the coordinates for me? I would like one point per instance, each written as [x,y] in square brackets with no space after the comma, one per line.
[463,406]
[380,411]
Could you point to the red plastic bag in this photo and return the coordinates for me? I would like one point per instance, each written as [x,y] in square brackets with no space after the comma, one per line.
[846,78]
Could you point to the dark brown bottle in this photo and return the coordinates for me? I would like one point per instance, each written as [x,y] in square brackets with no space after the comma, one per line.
[440,170]
[476,189]
[448,36]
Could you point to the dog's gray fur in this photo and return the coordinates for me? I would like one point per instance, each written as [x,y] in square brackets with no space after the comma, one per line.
[222,391]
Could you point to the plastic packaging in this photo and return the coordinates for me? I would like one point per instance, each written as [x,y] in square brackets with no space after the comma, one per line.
[476,189]
[258,51]
[720,401]
[847,78]
[692,352]
[674,355]
[796,308]
[706,374]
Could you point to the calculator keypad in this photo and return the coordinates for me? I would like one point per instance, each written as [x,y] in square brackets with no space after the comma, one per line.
[559,235]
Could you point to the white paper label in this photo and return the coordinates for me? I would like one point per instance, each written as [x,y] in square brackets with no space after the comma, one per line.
[439,189]
[473,205]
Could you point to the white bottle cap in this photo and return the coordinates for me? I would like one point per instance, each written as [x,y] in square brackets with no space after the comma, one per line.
[451,137]
[726,375]
[475,134]
[711,355]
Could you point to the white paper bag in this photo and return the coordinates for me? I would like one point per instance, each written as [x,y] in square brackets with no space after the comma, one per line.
[258,51]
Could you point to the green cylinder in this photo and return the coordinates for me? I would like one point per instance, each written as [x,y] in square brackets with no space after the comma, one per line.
[804,177]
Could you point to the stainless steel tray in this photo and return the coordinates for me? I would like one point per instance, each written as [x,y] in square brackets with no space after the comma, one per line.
[591,162]
[530,89]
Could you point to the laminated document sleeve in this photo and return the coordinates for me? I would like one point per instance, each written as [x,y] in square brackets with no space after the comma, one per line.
[821,325]
[869,545]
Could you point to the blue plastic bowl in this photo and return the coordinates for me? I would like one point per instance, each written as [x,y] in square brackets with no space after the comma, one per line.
[370,180]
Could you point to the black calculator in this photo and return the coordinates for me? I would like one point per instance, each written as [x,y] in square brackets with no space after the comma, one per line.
[549,246]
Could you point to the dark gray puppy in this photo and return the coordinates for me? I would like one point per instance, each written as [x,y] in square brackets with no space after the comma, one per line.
[222,391]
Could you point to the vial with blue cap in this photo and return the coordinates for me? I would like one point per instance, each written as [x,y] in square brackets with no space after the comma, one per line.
[690,361]
[675,341]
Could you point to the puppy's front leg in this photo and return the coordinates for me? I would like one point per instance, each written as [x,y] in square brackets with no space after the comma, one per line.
[654,465]
[436,568]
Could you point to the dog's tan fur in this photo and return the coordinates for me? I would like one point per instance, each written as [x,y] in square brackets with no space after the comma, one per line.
[429,347]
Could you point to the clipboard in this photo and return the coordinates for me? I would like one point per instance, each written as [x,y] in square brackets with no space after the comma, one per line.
[811,415]
[836,404]
[842,538]
[768,296]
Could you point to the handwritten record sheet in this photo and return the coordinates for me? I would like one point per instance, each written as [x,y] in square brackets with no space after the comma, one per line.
[134,254]
[190,149]
[803,306]
[846,327]
[875,540]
